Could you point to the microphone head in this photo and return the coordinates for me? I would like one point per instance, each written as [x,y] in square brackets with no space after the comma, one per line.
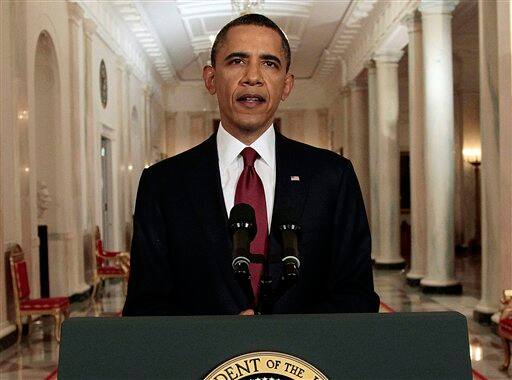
[242,216]
[284,219]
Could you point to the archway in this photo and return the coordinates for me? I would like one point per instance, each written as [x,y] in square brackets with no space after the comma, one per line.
[47,124]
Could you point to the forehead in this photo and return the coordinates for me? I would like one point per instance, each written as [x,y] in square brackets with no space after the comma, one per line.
[252,37]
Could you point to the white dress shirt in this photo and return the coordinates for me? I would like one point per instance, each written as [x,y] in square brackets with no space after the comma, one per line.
[231,165]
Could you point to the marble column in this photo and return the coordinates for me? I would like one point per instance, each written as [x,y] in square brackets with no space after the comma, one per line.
[358,121]
[388,166]
[490,168]
[373,148]
[439,145]
[345,103]
[148,93]
[416,144]
[89,28]
[505,117]
[78,137]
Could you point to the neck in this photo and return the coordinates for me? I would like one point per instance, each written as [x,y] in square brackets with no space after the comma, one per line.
[247,137]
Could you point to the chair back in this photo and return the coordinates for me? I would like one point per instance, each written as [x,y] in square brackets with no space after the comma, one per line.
[19,274]
[100,261]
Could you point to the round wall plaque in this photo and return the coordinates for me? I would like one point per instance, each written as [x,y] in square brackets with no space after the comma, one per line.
[103,84]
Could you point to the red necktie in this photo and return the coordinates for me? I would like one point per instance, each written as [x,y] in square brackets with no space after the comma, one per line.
[249,189]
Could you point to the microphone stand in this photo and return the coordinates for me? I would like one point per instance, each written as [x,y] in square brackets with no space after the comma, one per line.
[266,301]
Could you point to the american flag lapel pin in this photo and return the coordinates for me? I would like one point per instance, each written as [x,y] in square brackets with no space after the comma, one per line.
[295,178]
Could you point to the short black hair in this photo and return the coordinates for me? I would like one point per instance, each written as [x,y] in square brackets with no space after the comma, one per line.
[252,19]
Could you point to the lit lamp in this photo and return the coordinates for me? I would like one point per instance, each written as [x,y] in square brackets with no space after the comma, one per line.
[474,157]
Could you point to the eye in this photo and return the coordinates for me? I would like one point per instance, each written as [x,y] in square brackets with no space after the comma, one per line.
[270,63]
[236,61]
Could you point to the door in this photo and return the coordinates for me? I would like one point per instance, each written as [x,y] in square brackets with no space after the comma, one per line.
[106,191]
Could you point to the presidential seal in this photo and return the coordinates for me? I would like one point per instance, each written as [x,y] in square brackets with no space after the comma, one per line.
[265,366]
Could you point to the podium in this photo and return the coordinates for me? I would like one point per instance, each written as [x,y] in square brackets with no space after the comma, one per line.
[324,346]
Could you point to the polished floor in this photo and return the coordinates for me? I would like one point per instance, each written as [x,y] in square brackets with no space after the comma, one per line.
[37,357]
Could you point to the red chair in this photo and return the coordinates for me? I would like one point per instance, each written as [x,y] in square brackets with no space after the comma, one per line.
[25,306]
[109,264]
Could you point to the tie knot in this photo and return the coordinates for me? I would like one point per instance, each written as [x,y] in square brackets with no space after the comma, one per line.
[249,155]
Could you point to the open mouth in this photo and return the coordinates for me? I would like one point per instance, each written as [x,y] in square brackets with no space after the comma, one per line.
[250,100]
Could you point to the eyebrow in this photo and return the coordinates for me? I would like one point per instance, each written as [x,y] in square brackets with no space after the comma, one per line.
[241,54]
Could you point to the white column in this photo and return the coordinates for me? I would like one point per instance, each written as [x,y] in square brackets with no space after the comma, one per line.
[388,166]
[125,217]
[373,147]
[417,160]
[77,91]
[490,179]
[90,139]
[439,136]
[148,93]
[358,130]
[345,102]
[505,100]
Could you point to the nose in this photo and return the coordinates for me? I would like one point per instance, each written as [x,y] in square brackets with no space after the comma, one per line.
[252,75]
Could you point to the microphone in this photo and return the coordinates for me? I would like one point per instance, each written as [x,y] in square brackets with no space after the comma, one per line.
[289,228]
[242,224]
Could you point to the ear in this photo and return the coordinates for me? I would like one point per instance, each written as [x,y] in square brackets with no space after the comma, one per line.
[289,81]
[209,79]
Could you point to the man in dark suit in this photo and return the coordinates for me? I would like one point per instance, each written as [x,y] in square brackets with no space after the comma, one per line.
[181,250]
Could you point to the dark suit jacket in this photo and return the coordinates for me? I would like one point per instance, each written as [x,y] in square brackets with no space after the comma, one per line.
[181,248]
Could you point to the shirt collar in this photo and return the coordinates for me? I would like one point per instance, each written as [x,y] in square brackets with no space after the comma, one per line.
[230,147]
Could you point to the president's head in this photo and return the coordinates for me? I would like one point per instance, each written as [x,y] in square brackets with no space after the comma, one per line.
[250,60]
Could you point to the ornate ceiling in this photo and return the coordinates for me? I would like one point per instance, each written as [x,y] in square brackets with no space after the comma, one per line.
[177,35]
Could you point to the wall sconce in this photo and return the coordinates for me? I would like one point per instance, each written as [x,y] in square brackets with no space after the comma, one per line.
[26,169]
[472,156]
[130,167]
[23,115]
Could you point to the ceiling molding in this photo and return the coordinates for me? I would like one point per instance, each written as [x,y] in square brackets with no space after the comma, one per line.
[136,19]
[349,28]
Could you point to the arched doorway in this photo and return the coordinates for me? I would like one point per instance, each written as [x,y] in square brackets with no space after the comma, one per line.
[47,125]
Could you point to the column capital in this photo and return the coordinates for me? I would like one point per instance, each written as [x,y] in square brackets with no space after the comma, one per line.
[89,27]
[413,22]
[439,7]
[75,12]
[369,65]
[388,57]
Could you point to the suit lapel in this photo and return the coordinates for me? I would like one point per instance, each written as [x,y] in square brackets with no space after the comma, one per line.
[205,191]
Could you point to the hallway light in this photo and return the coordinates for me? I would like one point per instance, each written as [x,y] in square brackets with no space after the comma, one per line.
[475,350]
[472,156]
[130,167]
[26,169]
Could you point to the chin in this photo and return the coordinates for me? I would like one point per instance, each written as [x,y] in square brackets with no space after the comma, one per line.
[251,124]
